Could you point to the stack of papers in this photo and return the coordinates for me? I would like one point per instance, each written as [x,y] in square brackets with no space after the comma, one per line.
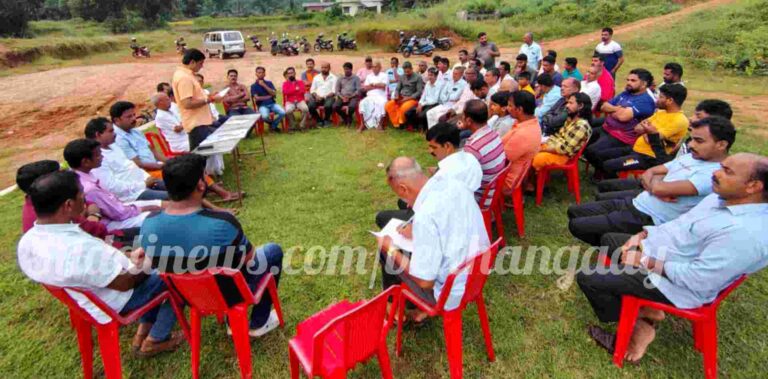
[398,240]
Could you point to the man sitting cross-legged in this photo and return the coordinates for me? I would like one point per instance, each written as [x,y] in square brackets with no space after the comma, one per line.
[58,253]
[136,148]
[83,156]
[185,237]
[666,129]
[689,261]
[409,89]
[443,236]
[670,189]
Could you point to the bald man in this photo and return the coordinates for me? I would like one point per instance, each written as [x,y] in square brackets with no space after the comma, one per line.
[555,117]
[322,94]
[446,229]
[686,262]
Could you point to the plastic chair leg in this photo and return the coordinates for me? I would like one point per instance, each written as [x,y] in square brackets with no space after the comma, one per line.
[85,343]
[238,322]
[698,336]
[485,325]
[573,178]
[709,343]
[272,288]
[109,345]
[517,203]
[294,363]
[541,179]
[499,225]
[400,317]
[453,342]
[627,320]
[194,342]
[488,224]
[384,363]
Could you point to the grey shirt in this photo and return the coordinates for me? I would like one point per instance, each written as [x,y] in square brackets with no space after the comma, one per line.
[412,86]
[484,54]
[348,86]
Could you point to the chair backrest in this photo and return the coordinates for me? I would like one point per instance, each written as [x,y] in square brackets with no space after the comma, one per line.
[158,143]
[496,184]
[75,308]
[523,175]
[727,291]
[477,268]
[201,290]
[361,330]
[574,160]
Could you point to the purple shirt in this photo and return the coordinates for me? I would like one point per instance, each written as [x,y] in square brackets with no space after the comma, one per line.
[112,209]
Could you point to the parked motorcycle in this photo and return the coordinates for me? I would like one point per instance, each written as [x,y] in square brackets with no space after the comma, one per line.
[418,47]
[346,43]
[284,47]
[304,45]
[444,43]
[323,44]
[256,42]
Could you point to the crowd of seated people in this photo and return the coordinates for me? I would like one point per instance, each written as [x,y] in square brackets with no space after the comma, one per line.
[691,219]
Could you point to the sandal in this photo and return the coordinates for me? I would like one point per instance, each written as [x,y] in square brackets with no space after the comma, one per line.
[603,338]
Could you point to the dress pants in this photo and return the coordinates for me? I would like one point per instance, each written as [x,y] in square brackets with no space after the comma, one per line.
[605,147]
[198,135]
[618,188]
[418,119]
[590,221]
[326,103]
[351,105]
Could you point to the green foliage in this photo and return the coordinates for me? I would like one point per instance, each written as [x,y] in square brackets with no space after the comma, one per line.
[15,15]
[732,38]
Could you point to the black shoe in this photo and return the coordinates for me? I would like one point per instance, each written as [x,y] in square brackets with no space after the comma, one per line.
[276,130]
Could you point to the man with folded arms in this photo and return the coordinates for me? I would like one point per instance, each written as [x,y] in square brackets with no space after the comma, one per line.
[57,252]
[322,93]
[689,261]
[443,236]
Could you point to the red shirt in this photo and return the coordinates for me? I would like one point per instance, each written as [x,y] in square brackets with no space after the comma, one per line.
[607,86]
[293,92]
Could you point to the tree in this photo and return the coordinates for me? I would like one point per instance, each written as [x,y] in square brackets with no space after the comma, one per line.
[15,16]
[151,11]
[97,10]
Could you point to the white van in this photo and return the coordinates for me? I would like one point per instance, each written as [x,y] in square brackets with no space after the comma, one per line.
[224,43]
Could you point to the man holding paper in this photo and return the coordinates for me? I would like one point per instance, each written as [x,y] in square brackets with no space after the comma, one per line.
[446,229]
[196,117]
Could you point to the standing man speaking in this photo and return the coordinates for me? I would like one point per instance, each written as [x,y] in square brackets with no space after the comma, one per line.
[196,117]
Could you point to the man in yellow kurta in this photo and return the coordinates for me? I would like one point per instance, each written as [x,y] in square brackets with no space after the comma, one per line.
[196,117]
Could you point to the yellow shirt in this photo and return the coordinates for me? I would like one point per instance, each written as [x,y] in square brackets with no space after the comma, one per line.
[186,86]
[529,89]
[672,128]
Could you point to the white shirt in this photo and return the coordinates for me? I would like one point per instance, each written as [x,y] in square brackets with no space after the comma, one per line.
[323,86]
[444,237]
[492,91]
[467,95]
[175,108]
[501,124]
[446,77]
[592,89]
[63,255]
[533,52]
[120,175]
[373,79]
[166,121]
[607,49]
[462,167]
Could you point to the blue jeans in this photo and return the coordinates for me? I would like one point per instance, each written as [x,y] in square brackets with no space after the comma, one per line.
[150,194]
[240,111]
[273,108]
[161,317]
[266,258]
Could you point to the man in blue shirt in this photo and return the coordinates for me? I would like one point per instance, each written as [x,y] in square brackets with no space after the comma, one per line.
[532,50]
[264,93]
[670,189]
[689,261]
[187,238]
[549,94]
[570,70]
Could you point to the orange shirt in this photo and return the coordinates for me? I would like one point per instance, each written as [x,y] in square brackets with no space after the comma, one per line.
[521,143]
[186,86]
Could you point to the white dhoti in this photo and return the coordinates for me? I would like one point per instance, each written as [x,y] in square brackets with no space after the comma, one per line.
[372,110]
[214,165]
[434,114]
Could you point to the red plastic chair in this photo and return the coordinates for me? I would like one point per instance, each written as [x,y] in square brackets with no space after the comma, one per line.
[477,269]
[201,292]
[517,202]
[493,212]
[334,340]
[158,143]
[571,169]
[633,173]
[260,123]
[704,321]
[108,334]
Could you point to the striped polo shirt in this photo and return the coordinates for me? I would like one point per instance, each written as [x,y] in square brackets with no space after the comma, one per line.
[485,144]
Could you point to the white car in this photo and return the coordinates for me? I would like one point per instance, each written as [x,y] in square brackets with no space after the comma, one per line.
[224,43]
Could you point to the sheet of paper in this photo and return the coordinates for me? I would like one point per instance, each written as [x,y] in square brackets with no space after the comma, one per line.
[398,240]
[223,92]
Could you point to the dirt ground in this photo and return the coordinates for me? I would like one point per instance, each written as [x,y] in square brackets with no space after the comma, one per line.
[43,111]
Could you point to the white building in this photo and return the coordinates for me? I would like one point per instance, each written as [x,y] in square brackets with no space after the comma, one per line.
[349,7]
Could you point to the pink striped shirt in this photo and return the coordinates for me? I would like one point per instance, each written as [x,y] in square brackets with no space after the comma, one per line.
[485,144]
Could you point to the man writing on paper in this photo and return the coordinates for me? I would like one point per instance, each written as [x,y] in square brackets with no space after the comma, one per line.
[446,229]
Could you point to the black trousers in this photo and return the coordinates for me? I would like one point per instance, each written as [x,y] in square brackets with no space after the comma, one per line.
[603,148]
[393,276]
[631,161]
[604,289]
[588,222]
[198,135]
[418,119]
[618,189]
[351,108]
[327,103]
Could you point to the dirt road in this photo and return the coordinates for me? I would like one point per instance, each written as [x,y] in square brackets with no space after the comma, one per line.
[42,111]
